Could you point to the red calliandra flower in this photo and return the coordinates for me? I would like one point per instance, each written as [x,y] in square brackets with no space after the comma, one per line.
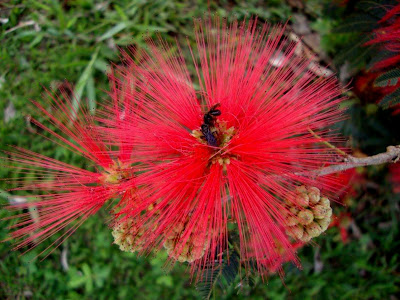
[68,193]
[230,153]
[388,35]
[395,177]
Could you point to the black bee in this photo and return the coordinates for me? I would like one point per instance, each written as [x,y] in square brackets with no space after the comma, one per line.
[208,135]
[211,115]
[209,119]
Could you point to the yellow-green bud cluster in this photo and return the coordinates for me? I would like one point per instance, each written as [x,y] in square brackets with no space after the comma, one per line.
[195,246]
[116,173]
[128,236]
[225,133]
[311,217]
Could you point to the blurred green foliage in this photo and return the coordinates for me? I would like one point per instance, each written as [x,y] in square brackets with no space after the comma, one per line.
[44,42]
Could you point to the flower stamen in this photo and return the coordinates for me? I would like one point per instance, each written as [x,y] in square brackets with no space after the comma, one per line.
[223,136]
[116,173]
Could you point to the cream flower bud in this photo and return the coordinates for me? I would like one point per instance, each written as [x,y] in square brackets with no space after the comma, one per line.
[324,223]
[325,202]
[314,229]
[305,217]
[296,232]
[306,237]
[314,195]
[320,211]
[291,221]
[301,189]
[302,199]
[328,213]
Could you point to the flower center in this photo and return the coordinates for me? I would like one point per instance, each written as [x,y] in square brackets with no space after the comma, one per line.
[220,135]
[116,173]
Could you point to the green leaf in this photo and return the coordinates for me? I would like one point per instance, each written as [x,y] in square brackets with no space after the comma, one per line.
[231,269]
[357,23]
[89,280]
[209,278]
[389,78]
[227,270]
[82,82]
[91,94]
[391,100]
[149,28]
[36,40]
[377,57]
[165,280]
[5,195]
[356,53]
[121,13]
[76,281]
[374,8]
[113,31]
[101,65]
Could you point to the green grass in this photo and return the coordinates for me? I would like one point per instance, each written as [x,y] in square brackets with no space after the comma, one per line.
[45,42]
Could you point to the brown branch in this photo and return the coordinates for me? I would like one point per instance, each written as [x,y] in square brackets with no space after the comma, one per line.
[392,155]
